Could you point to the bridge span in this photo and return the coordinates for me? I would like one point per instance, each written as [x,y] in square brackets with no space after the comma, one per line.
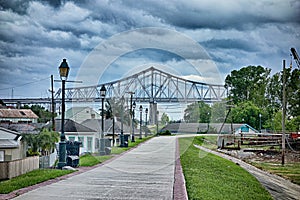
[150,85]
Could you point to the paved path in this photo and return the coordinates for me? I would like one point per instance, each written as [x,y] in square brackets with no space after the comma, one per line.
[146,172]
[279,188]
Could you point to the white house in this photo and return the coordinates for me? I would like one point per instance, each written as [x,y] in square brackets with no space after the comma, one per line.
[79,114]
[77,132]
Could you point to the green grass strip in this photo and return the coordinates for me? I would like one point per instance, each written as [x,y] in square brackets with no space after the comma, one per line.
[30,178]
[211,177]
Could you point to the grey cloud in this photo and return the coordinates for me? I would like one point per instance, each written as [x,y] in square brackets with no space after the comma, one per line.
[230,44]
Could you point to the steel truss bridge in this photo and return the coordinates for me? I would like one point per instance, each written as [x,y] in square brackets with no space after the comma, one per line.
[150,85]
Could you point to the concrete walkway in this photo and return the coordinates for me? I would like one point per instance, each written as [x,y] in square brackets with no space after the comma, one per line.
[146,172]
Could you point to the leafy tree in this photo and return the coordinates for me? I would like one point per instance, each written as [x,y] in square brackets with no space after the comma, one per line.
[248,84]
[114,108]
[43,114]
[197,112]
[246,112]
[42,143]
[218,112]
[293,92]
[165,119]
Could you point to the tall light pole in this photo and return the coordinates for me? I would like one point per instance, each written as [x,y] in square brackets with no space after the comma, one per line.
[141,110]
[133,107]
[259,122]
[102,141]
[157,114]
[146,111]
[122,115]
[63,72]
[283,113]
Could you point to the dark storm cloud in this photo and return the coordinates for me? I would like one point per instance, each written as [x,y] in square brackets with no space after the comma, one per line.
[216,14]
[230,44]
[37,34]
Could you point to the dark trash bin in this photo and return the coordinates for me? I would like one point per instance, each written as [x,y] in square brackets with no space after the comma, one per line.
[73,148]
[126,137]
[73,161]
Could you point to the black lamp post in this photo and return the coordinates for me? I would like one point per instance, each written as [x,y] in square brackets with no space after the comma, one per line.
[133,107]
[141,110]
[157,114]
[146,111]
[122,135]
[102,141]
[63,72]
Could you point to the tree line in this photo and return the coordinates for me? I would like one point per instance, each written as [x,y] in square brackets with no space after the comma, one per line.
[254,98]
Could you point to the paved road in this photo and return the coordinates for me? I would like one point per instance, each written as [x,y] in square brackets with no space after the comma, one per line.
[279,188]
[146,172]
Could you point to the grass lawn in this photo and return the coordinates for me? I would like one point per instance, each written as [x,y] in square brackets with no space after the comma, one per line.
[30,178]
[289,171]
[211,177]
[89,160]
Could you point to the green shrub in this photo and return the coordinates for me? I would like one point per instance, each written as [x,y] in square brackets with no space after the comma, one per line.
[166,132]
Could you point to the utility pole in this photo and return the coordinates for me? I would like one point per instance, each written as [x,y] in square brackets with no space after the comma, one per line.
[52,104]
[283,112]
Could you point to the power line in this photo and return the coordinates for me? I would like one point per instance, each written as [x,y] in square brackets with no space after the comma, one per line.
[21,85]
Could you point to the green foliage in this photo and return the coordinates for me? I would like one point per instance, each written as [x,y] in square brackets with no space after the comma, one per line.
[218,112]
[43,143]
[248,84]
[43,114]
[293,92]
[246,112]
[164,119]
[211,177]
[197,112]
[30,178]
[167,132]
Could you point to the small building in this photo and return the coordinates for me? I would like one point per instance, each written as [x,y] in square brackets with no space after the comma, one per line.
[11,145]
[77,132]
[79,114]
[245,129]
[18,116]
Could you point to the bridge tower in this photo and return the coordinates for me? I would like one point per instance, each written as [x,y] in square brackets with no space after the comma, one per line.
[152,113]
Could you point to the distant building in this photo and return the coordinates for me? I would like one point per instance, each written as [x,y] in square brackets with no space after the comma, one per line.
[79,114]
[11,145]
[108,126]
[18,116]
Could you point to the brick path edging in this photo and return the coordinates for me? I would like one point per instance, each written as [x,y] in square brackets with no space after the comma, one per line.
[179,189]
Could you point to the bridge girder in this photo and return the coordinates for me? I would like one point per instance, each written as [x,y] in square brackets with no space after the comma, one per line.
[150,85]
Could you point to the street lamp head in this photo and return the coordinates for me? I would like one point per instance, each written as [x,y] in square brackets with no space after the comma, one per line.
[141,108]
[103,91]
[64,70]
[146,110]
[134,105]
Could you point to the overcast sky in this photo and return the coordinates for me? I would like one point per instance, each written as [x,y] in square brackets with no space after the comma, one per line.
[36,35]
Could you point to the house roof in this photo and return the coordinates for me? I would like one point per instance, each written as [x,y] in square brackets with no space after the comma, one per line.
[20,128]
[70,126]
[8,138]
[108,124]
[17,113]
